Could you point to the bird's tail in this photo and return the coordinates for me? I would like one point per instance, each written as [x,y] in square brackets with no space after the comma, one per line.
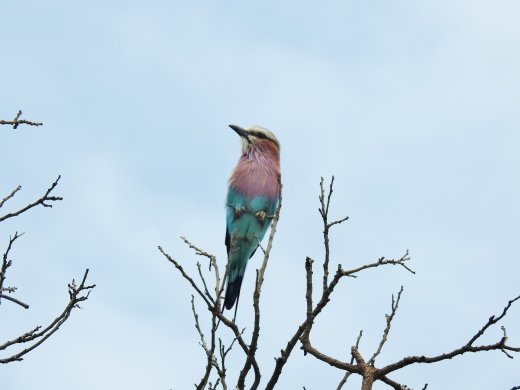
[233,291]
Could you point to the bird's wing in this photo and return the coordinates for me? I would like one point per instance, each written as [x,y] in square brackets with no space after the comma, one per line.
[227,240]
[241,214]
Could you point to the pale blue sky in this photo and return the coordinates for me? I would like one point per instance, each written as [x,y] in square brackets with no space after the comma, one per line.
[413,106]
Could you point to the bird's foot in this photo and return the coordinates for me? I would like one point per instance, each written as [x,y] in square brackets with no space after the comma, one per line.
[238,211]
[261,215]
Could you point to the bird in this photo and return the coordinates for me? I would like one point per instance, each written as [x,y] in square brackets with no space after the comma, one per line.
[251,201]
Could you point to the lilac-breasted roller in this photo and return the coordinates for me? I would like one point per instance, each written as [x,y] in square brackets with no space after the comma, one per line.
[252,198]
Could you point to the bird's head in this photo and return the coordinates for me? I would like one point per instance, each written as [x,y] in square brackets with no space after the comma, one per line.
[256,136]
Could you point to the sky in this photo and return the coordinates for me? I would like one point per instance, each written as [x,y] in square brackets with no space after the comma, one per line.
[412,106]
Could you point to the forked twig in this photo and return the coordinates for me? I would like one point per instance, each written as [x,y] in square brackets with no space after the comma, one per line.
[17,121]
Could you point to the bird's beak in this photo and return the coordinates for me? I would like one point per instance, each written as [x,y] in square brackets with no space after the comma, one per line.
[240,131]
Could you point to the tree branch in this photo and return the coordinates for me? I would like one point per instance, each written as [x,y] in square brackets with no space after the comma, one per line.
[41,201]
[303,331]
[469,347]
[324,212]
[77,294]
[6,263]
[13,192]
[17,121]
[347,374]
[381,261]
[24,305]
[210,352]
[389,318]
[213,308]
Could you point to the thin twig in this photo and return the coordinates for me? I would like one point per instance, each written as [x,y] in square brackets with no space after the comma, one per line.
[197,250]
[41,201]
[13,192]
[24,305]
[17,121]
[324,212]
[389,318]
[348,373]
[394,384]
[212,308]
[469,347]
[491,321]
[208,351]
[381,261]
[186,276]
[77,294]
[6,263]
[206,291]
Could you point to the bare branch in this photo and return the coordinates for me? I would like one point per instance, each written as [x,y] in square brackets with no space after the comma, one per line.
[381,261]
[214,309]
[13,192]
[285,353]
[469,347]
[395,385]
[6,263]
[206,291]
[212,264]
[77,294]
[198,251]
[24,305]
[208,351]
[260,244]
[41,201]
[303,331]
[492,320]
[330,288]
[284,356]
[389,318]
[223,351]
[338,221]
[348,373]
[324,212]
[186,276]
[17,121]
[308,348]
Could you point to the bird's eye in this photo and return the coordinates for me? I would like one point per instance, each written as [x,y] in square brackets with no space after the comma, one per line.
[259,135]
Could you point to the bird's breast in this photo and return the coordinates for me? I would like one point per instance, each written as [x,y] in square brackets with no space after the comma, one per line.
[256,177]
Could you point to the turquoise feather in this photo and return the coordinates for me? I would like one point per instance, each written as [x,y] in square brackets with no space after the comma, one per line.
[244,231]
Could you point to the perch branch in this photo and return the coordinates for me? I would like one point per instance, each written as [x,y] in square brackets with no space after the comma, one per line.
[256,299]
[213,308]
